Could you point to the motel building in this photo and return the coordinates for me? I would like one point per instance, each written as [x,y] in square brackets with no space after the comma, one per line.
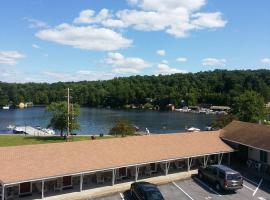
[252,145]
[46,170]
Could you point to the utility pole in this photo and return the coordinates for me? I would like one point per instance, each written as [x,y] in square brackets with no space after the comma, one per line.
[68,101]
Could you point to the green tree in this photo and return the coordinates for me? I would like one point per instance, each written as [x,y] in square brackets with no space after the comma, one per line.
[3,98]
[223,120]
[249,107]
[122,128]
[59,120]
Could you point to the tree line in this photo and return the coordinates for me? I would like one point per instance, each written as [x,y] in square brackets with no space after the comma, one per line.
[218,87]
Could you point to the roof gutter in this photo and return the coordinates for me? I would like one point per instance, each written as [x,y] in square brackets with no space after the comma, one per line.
[246,145]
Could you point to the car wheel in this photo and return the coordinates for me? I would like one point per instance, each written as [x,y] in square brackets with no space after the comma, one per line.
[217,187]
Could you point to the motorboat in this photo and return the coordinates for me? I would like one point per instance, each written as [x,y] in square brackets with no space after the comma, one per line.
[193,129]
[10,127]
[5,107]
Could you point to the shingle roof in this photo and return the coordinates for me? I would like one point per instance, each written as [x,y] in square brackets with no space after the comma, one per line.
[22,163]
[250,134]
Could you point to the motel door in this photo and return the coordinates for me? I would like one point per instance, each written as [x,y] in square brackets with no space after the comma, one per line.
[25,188]
[67,181]
[243,153]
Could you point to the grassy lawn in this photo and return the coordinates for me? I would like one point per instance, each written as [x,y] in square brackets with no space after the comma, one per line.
[16,140]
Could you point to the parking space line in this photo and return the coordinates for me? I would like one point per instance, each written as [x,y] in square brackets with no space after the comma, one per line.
[122,196]
[258,187]
[248,187]
[207,186]
[182,191]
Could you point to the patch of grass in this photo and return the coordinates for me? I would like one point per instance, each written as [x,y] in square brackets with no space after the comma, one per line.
[17,140]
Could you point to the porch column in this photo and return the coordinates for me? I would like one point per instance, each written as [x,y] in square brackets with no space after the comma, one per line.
[136,173]
[189,163]
[167,166]
[220,156]
[42,189]
[205,160]
[113,176]
[81,182]
[3,192]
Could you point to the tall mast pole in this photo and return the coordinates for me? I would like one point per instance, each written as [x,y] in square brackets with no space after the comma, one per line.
[68,114]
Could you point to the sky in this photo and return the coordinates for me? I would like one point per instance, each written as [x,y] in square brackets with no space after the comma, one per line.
[76,40]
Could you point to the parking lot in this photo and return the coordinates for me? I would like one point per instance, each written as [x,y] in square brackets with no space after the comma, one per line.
[195,189]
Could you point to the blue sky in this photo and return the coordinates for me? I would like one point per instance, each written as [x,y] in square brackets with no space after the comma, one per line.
[49,41]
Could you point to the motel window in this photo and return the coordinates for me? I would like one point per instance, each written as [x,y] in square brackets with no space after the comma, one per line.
[263,156]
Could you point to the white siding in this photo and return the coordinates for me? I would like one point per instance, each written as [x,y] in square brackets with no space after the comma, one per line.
[254,154]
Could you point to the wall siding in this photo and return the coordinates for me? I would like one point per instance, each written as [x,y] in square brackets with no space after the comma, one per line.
[254,154]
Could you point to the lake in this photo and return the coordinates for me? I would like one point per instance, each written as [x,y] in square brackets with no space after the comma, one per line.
[96,121]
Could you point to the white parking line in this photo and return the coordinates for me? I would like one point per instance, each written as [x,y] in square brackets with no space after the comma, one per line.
[258,187]
[207,186]
[248,187]
[122,196]
[182,191]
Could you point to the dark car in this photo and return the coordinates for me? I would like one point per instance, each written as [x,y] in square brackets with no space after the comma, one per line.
[222,177]
[145,191]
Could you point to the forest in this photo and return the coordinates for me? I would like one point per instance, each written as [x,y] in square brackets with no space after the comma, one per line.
[218,87]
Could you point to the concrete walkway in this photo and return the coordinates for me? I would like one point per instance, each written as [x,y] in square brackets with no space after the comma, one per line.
[107,190]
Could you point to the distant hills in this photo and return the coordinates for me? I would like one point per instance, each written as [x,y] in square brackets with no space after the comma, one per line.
[217,87]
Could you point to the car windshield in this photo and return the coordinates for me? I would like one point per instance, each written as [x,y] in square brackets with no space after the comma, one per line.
[234,176]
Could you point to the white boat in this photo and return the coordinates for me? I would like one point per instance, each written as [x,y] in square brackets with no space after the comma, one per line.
[48,131]
[19,129]
[10,127]
[5,107]
[193,129]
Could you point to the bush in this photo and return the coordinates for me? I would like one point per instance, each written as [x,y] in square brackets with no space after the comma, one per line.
[122,128]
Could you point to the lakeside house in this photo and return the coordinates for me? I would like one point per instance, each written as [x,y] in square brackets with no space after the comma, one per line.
[48,169]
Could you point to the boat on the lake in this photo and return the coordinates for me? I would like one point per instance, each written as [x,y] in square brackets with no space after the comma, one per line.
[29,130]
[5,107]
[10,127]
[193,129]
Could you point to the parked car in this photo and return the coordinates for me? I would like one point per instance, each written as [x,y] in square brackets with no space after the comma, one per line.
[222,177]
[145,191]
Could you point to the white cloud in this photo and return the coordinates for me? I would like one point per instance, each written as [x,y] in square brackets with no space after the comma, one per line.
[161,5]
[181,59]
[81,75]
[85,37]
[265,61]
[208,20]
[35,46]
[124,65]
[213,62]
[34,23]
[175,17]
[88,16]
[161,52]
[10,57]
[166,69]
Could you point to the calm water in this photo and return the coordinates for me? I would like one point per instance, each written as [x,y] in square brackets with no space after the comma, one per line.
[95,121]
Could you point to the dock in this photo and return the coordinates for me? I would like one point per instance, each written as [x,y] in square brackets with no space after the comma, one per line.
[29,130]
